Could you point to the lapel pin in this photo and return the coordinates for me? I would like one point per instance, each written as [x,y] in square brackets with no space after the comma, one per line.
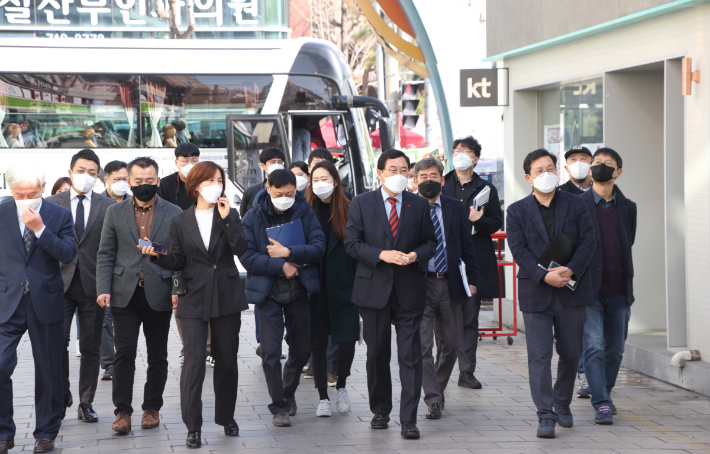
[408,205]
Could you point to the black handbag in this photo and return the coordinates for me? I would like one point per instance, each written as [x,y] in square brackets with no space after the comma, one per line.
[179,284]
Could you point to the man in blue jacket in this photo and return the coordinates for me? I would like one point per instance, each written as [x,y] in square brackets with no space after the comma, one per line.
[37,236]
[547,303]
[445,285]
[279,280]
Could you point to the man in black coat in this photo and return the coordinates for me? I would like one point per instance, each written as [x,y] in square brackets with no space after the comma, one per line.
[172,187]
[612,270]
[465,184]
[577,161]
[391,234]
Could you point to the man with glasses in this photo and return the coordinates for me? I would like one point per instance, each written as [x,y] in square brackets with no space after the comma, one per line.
[548,303]
[172,187]
[614,219]
[391,234]
[577,162]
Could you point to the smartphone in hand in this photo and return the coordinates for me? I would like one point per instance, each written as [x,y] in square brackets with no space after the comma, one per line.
[157,247]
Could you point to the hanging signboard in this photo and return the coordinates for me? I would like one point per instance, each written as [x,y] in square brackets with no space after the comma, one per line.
[484,87]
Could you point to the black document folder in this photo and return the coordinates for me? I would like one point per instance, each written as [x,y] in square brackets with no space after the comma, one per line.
[288,234]
[559,253]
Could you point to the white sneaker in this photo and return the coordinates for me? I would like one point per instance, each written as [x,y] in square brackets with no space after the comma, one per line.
[78,351]
[323,408]
[343,402]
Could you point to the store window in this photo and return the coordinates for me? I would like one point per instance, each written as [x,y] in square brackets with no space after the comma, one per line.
[569,115]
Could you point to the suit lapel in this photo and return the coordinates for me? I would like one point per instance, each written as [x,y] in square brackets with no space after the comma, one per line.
[193,230]
[404,215]
[46,213]
[534,213]
[216,231]
[446,214]
[561,206]
[378,206]
[158,216]
[12,224]
[592,207]
[129,216]
[93,215]
[623,211]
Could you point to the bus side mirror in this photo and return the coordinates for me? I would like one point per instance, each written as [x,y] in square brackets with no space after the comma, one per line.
[385,130]
[376,107]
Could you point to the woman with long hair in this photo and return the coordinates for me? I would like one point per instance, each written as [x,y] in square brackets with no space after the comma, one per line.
[332,311]
[203,242]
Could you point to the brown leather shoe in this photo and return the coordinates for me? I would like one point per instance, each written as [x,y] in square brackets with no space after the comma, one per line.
[150,420]
[44,445]
[6,445]
[122,424]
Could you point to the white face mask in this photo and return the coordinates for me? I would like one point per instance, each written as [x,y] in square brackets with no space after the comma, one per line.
[83,182]
[283,203]
[301,183]
[273,167]
[323,190]
[32,203]
[211,193]
[462,162]
[546,182]
[411,185]
[119,188]
[578,170]
[396,183]
[184,170]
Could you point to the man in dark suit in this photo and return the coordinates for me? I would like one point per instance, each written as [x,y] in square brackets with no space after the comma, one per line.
[389,230]
[577,162]
[37,236]
[612,270]
[446,290]
[88,211]
[546,302]
[137,291]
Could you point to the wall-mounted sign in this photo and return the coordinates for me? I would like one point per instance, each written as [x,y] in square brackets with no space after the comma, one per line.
[101,18]
[484,87]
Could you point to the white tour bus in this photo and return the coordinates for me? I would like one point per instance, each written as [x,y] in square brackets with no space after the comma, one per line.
[129,98]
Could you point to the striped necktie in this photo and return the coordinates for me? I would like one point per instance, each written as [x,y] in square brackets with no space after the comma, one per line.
[394,218]
[440,257]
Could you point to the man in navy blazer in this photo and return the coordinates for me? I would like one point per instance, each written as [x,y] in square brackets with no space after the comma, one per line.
[546,301]
[389,230]
[37,235]
[446,293]
[612,271]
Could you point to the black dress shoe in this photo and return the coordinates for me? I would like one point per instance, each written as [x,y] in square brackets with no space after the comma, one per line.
[6,445]
[231,429]
[193,440]
[44,445]
[434,411]
[379,421]
[87,413]
[410,431]
[468,380]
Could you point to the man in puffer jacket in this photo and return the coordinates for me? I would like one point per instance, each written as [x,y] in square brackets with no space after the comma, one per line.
[279,281]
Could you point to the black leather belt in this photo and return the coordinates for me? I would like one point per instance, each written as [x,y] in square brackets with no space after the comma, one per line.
[436,275]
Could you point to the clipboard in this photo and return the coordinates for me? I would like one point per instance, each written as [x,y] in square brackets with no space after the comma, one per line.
[559,252]
[288,234]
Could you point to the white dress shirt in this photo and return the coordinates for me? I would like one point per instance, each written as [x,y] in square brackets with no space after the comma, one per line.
[204,223]
[432,264]
[388,205]
[73,198]
[22,224]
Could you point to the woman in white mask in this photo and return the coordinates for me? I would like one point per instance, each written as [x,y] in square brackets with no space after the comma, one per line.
[300,169]
[336,315]
[203,242]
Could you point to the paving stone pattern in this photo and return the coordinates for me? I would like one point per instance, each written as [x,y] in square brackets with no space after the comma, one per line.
[654,417]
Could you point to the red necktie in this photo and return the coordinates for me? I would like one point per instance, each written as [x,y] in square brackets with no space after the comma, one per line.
[394,218]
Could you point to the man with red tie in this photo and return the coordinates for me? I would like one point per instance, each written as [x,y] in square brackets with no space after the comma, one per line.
[391,234]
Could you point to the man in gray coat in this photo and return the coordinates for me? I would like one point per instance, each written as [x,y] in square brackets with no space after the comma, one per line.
[137,291]
[88,210]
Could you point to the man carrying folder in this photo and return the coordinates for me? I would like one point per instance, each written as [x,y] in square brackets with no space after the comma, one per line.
[552,311]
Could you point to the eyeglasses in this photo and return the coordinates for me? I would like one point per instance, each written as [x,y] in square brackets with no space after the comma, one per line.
[608,162]
[538,172]
[465,150]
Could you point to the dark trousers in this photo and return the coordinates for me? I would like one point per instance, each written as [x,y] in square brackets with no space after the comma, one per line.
[295,317]
[91,319]
[108,351]
[47,352]
[225,346]
[605,334]
[322,348]
[442,309]
[563,326]
[466,353]
[377,333]
[156,326]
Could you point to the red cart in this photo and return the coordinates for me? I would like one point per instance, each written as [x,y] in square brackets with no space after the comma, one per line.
[497,331]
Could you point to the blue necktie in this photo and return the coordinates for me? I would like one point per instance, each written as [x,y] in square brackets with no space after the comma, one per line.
[440,257]
[79,222]
[28,236]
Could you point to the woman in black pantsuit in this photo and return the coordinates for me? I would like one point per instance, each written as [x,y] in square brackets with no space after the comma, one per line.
[203,242]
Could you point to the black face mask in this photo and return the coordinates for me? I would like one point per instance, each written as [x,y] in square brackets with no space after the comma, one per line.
[429,189]
[602,173]
[144,192]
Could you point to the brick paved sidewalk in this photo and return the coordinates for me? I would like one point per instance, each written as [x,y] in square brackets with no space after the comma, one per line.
[654,417]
